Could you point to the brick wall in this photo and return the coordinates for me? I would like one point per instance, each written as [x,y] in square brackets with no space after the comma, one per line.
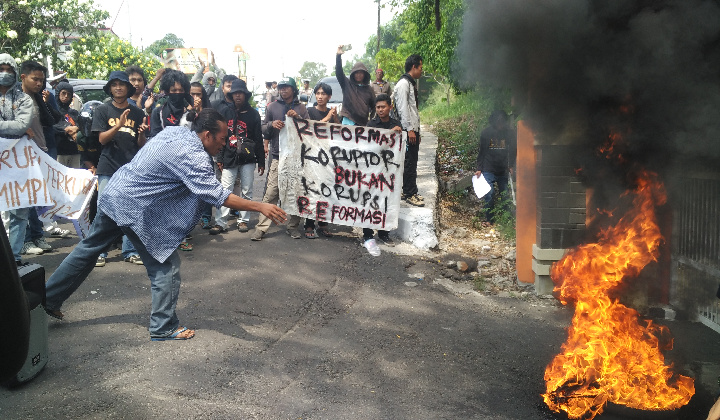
[561,198]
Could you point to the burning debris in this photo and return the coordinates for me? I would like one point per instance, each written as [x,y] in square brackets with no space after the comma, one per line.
[610,356]
[637,80]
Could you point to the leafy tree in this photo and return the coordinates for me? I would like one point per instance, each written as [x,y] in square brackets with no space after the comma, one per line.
[432,28]
[95,57]
[392,62]
[313,71]
[390,38]
[34,29]
[436,46]
[168,41]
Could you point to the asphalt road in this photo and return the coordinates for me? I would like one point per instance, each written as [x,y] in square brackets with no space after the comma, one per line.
[293,329]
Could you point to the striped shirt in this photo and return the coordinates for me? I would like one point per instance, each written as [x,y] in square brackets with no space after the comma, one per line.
[160,193]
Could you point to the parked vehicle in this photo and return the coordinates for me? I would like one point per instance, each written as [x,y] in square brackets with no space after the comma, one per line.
[337,94]
[88,90]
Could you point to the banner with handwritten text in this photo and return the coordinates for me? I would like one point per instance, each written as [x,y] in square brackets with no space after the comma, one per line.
[341,174]
[31,178]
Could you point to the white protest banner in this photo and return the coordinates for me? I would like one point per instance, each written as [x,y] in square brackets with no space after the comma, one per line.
[341,174]
[82,223]
[31,178]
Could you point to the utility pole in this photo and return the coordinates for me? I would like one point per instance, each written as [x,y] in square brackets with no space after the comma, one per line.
[377,65]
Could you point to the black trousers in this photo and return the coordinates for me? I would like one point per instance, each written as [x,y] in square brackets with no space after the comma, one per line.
[410,173]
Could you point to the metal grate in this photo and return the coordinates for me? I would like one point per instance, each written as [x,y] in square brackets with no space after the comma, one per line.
[697,252]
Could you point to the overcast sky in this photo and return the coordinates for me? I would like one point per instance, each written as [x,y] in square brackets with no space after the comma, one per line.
[279,35]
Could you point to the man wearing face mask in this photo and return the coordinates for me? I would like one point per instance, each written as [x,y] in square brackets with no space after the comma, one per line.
[176,86]
[16,112]
[16,107]
[220,94]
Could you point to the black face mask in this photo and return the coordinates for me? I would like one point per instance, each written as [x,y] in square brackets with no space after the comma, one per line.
[177,100]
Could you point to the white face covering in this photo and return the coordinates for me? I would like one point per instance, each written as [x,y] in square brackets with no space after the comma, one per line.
[7,79]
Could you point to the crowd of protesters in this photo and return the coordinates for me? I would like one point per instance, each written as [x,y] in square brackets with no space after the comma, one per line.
[113,137]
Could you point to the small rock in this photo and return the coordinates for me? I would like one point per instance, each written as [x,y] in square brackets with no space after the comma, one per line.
[448,273]
[494,256]
[450,264]
[461,233]
[462,266]
[458,277]
[410,284]
[486,248]
[510,255]
[415,275]
[546,297]
[473,274]
[483,263]
[499,280]
[525,295]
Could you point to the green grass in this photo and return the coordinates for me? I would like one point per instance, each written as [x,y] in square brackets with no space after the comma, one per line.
[504,218]
[458,125]
[479,283]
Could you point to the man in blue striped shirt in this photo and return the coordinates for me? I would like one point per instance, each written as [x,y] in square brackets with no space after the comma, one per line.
[155,200]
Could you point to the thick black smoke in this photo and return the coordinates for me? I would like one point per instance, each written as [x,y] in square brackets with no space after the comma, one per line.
[581,69]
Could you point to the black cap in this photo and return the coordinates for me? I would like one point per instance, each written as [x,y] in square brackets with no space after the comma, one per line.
[123,77]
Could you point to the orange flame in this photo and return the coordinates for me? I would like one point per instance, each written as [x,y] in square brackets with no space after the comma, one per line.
[609,355]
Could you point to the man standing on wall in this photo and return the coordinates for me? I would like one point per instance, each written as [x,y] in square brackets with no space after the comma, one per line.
[406,103]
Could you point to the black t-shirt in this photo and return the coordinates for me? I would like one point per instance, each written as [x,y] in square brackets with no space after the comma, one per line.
[317,115]
[389,125]
[498,149]
[124,145]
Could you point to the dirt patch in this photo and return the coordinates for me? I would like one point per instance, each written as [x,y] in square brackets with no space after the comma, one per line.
[470,252]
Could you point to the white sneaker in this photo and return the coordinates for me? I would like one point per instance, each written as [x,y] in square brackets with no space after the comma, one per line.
[59,233]
[42,244]
[29,248]
[372,247]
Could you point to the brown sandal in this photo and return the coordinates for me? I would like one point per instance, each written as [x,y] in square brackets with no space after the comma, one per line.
[185,246]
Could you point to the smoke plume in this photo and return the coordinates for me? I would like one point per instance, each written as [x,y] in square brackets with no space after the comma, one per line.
[580,69]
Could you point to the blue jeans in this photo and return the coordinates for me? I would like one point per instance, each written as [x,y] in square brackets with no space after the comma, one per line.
[489,198]
[128,249]
[207,211]
[17,228]
[207,207]
[246,173]
[164,277]
[35,226]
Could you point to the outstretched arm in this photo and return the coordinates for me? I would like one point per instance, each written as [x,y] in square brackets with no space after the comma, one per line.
[273,212]
[339,73]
